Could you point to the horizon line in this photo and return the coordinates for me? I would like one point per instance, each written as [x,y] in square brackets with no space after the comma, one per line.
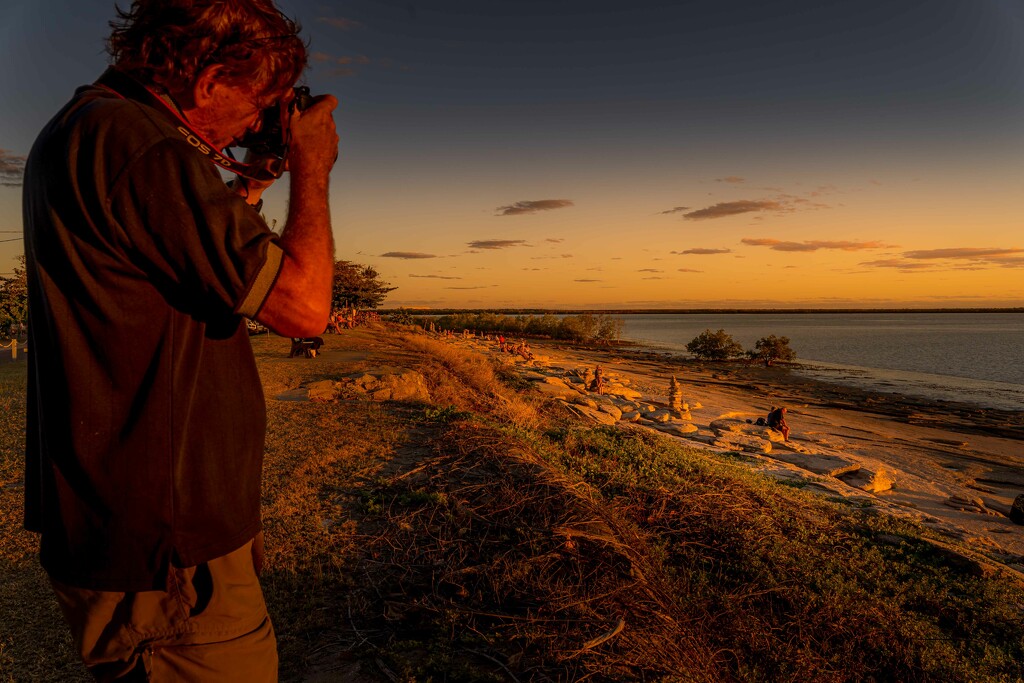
[761,310]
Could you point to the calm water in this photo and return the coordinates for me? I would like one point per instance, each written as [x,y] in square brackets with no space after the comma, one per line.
[973,357]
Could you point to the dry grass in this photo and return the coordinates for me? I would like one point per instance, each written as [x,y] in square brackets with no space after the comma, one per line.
[490,565]
[482,539]
[34,645]
[468,381]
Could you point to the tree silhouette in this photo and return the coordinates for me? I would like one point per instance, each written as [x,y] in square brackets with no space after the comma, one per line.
[710,345]
[358,285]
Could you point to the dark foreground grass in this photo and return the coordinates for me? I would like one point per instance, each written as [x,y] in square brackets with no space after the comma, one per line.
[488,537]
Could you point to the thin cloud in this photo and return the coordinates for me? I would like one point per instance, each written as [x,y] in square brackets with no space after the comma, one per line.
[702,251]
[438,277]
[344,66]
[555,240]
[407,255]
[678,209]
[733,179]
[342,23]
[362,60]
[689,270]
[496,244]
[972,253]
[650,270]
[812,245]
[12,169]
[898,264]
[783,202]
[723,209]
[654,277]
[533,206]
[958,258]
[587,280]
[476,287]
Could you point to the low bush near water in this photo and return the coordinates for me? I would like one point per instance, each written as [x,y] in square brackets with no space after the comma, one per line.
[586,327]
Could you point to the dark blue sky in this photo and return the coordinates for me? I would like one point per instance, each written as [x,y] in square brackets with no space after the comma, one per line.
[908,115]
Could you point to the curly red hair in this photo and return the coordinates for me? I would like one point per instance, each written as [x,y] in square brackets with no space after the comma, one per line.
[170,42]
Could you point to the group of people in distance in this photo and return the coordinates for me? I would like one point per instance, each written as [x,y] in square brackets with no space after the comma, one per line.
[522,349]
[344,318]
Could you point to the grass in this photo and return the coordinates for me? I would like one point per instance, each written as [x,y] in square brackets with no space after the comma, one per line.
[488,536]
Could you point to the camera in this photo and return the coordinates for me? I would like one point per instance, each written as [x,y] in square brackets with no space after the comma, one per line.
[271,140]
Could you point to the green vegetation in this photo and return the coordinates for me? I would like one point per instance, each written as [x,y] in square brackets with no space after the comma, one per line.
[771,349]
[710,345]
[582,328]
[14,297]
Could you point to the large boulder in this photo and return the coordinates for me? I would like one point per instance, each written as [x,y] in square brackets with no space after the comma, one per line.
[556,388]
[624,392]
[677,428]
[585,401]
[323,391]
[872,482]
[389,384]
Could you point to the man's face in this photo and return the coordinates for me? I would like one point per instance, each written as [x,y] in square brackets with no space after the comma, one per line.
[229,112]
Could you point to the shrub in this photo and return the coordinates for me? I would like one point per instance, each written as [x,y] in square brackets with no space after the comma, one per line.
[584,328]
[710,345]
[402,316]
[771,348]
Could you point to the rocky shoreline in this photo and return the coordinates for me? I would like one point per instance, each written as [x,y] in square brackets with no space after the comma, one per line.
[954,467]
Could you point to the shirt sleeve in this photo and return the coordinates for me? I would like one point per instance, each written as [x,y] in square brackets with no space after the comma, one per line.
[191,234]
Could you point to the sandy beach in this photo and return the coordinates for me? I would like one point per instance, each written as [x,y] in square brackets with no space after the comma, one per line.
[954,468]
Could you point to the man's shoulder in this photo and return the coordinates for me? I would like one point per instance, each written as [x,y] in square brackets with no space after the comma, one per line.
[96,111]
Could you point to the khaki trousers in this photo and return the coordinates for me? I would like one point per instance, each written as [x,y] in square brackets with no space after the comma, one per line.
[211,624]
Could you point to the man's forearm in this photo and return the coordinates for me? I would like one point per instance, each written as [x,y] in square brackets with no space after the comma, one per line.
[299,303]
[307,238]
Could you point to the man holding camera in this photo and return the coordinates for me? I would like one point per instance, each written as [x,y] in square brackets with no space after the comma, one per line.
[146,418]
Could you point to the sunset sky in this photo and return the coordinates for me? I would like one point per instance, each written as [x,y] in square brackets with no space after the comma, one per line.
[643,153]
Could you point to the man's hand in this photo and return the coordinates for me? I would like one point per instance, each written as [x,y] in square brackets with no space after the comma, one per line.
[314,140]
[299,303]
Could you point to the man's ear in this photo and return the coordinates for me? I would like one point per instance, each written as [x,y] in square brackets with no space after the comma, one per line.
[209,79]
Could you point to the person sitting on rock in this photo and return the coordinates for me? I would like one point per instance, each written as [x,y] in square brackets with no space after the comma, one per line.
[777,421]
[597,384]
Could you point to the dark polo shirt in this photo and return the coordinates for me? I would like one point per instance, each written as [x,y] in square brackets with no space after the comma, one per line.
[146,418]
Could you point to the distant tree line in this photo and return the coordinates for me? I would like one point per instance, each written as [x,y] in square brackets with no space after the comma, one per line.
[586,327]
[355,285]
[720,345]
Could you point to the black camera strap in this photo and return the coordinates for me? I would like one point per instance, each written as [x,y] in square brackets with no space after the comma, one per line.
[126,87]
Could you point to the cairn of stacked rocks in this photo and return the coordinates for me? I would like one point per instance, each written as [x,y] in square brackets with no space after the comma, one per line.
[680,409]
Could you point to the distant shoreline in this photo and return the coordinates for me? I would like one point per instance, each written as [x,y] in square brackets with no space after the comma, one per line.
[690,311]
